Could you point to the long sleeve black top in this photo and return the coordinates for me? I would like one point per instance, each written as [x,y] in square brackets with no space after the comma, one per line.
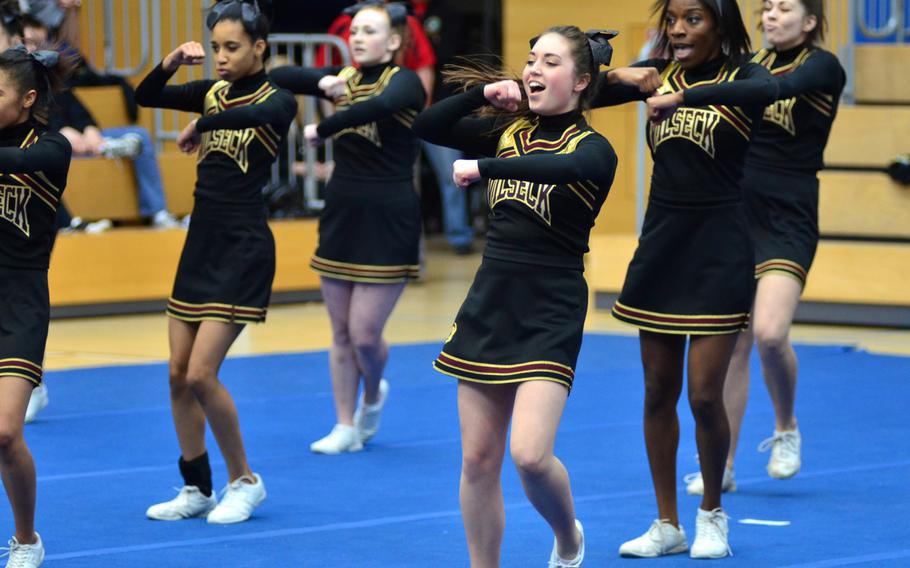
[243,126]
[795,129]
[34,164]
[548,177]
[372,128]
[699,152]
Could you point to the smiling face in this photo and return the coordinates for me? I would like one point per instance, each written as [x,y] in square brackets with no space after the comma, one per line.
[551,78]
[786,23]
[692,33]
[236,54]
[372,40]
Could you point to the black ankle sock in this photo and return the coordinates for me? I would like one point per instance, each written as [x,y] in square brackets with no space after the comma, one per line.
[197,473]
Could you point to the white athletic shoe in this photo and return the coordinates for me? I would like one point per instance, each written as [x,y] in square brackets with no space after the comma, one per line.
[188,504]
[660,540]
[695,485]
[367,416]
[25,555]
[240,498]
[37,402]
[711,532]
[341,439]
[785,453]
[558,562]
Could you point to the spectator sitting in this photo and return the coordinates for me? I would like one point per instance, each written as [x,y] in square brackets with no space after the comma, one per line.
[132,142]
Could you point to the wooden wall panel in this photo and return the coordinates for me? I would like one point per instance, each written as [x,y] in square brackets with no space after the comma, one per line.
[881,74]
[861,273]
[129,265]
[869,136]
[863,203]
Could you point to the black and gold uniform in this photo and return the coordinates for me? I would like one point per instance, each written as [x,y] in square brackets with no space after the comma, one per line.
[228,261]
[33,168]
[523,317]
[369,230]
[692,272]
[780,180]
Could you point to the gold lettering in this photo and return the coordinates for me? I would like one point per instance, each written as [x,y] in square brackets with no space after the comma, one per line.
[781,114]
[694,124]
[13,206]
[233,143]
[369,131]
[535,196]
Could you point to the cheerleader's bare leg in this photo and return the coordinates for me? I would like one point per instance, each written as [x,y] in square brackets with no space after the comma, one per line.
[535,418]
[371,307]
[709,358]
[663,357]
[484,412]
[16,463]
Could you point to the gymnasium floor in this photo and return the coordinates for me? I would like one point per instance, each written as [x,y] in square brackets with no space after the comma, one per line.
[105,450]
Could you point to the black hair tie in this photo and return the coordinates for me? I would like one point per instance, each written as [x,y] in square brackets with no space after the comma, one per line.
[47,58]
[598,44]
[247,12]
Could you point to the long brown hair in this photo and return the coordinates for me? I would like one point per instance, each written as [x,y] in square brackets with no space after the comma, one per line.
[467,74]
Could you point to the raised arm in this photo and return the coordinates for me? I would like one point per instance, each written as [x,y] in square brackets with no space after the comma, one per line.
[52,152]
[627,84]
[753,86]
[279,110]
[593,160]
[821,72]
[403,92]
[154,92]
[302,80]
[447,123]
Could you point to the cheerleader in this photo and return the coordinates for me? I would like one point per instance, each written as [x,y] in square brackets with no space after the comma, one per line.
[781,191]
[228,262]
[692,273]
[369,231]
[516,338]
[34,163]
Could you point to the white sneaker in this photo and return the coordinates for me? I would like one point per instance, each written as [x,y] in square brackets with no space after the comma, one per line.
[695,485]
[660,540]
[25,555]
[37,402]
[97,227]
[785,453]
[240,498]
[367,416]
[127,146]
[711,532]
[341,439]
[189,503]
[558,562]
[164,220]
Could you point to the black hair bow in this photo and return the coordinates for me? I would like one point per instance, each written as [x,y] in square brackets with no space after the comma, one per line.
[398,12]
[47,58]
[248,12]
[599,42]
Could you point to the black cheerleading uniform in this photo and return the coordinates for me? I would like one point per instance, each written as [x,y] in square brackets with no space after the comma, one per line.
[780,179]
[692,272]
[228,261]
[548,178]
[33,169]
[369,230]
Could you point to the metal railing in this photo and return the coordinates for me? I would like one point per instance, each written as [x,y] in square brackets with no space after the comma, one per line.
[118,39]
[883,19]
[300,50]
[161,25]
